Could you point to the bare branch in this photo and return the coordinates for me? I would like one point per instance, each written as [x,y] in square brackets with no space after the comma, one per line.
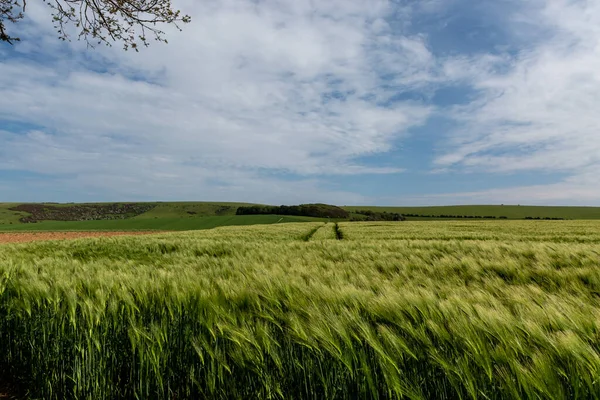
[102,21]
[10,11]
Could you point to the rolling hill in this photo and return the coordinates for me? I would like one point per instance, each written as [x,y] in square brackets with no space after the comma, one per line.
[171,216]
[179,216]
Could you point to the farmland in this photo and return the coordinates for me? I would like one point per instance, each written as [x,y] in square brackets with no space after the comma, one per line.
[156,224]
[379,310]
[508,211]
[182,216]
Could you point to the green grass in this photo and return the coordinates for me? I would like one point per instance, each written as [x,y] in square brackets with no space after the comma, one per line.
[8,217]
[509,211]
[420,310]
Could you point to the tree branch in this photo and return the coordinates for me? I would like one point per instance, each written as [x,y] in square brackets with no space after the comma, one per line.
[102,21]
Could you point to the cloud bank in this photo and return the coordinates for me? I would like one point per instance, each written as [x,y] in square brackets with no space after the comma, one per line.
[536,109]
[274,101]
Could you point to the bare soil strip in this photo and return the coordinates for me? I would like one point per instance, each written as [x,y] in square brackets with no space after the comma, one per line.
[22,237]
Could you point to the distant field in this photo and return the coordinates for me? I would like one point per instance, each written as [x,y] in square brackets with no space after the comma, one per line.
[511,212]
[180,216]
[159,224]
[377,310]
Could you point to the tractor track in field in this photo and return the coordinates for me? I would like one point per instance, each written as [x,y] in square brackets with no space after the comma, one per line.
[337,232]
[339,235]
[307,236]
[24,237]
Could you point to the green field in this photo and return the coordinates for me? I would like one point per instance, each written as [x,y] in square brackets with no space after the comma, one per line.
[420,310]
[179,216]
[509,211]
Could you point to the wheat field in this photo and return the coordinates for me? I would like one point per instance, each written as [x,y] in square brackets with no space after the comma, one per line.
[418,310]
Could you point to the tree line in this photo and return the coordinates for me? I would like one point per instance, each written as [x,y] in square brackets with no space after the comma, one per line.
[378,216]
[455,216]
[303,210]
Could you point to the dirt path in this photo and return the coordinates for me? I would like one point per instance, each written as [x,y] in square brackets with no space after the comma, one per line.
[22,237]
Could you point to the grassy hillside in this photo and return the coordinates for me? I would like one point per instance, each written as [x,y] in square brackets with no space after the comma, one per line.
[163,216]
[511,212]
[195,209]
[415,310]
[7,216]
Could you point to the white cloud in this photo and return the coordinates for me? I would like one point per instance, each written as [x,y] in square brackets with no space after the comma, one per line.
[266,100]
[278,86]
[537,110]
[573,191]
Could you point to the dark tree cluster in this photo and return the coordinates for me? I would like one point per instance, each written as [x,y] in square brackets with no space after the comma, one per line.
[305,210]
[546,218]
[379,216]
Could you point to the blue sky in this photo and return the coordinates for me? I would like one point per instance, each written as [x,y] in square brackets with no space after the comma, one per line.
[341,101]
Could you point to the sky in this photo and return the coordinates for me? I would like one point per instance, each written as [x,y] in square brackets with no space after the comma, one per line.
[348,102]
